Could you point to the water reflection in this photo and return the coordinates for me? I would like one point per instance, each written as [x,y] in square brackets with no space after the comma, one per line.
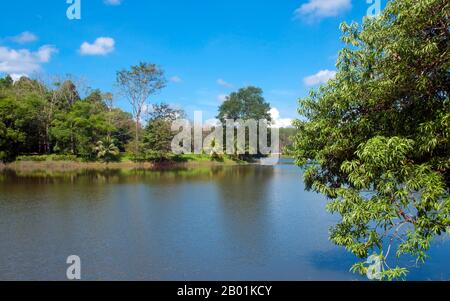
[219,223]
[244,206]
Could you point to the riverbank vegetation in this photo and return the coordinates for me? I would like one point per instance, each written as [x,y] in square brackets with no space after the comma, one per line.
[379,136]
[39,163]
[50,121]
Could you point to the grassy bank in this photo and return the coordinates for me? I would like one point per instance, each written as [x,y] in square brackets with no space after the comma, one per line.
[190,161]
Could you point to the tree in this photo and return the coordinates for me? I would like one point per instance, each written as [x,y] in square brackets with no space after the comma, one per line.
[121,124]
[21,119]
[96,96]
[67,94]
[12,135]
[39,118]
[48,90]
[78,131]
[137,85]
[246,104]
[375,140]
[107,150]
[286,140]
[158,134]
[165,112]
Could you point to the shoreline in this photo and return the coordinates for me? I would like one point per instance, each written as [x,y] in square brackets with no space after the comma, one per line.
[61,166]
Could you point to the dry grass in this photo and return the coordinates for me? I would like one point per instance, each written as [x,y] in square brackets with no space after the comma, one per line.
[72,166]
[61,166]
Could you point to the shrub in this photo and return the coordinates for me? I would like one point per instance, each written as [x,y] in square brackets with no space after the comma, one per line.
[44,158]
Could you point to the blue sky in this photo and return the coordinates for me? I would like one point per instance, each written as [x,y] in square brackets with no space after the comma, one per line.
[208,48]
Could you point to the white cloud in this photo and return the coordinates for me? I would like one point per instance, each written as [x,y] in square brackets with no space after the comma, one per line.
[221,97]
[112,2]
[101,46]
[176,79]
[318,9]
[320,77]
[15,76]
[24,61]
[223,83]
[24,37]
[278,122]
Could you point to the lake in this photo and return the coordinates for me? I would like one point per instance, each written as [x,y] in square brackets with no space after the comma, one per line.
[215,223]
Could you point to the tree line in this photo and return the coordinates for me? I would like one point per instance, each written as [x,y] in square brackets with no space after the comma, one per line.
[42,120]
[52,119]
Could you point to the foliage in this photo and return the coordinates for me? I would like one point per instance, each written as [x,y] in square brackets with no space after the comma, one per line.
[121,131]
[39,119]
[213,153]
[158,134]
[6,82]
[107,151]
[42,120]
[78,131]
[197,157]
[287,136]
[163,111]
[43,158]
[158,156]
[247,103]
[375,139]
[137,85]
[12,135]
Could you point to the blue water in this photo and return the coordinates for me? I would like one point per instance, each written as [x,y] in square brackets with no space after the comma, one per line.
[221,223]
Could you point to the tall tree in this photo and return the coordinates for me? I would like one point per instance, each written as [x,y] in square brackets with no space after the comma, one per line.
[137,85]
[375,140]
[246,104]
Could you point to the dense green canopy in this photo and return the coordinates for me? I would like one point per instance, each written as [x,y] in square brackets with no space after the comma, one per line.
[36,119]
[375,139]
[158,134]
[247,103]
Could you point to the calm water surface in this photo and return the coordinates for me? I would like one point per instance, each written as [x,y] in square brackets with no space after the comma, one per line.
[225,223]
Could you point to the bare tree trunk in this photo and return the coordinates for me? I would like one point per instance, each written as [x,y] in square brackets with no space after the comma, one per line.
[40,142]
[46,140]
[136,145]
[72,140]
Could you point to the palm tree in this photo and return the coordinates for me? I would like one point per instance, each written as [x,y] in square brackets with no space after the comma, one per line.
[107,150]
